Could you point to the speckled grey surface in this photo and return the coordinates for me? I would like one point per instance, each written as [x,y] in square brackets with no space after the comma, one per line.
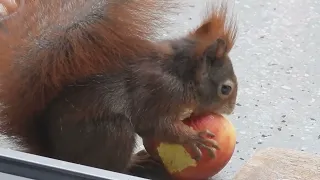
[276,59]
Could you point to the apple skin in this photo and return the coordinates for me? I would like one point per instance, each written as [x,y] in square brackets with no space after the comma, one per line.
[177,160]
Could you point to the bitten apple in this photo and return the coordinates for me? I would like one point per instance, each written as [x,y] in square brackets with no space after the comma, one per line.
[177,158]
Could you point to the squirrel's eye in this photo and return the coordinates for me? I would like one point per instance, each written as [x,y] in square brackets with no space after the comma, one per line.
[225,89]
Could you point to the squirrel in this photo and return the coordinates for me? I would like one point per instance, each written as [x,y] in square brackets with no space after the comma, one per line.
[80,78]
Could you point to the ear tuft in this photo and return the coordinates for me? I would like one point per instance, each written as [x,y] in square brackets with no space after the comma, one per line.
[216,25]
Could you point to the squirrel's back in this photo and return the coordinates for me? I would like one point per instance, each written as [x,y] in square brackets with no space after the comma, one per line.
[49,44]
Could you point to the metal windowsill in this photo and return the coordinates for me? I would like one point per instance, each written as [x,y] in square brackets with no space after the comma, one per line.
[16,165]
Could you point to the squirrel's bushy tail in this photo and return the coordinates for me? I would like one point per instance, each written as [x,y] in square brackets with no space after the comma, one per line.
[49,44]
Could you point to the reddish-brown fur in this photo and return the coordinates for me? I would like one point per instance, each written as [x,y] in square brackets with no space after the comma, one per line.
[49,45]
[215,25]
[32,75]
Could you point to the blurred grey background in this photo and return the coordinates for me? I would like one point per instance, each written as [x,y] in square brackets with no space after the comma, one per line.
[276,61]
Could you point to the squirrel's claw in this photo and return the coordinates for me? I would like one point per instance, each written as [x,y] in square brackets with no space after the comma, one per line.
[202,141]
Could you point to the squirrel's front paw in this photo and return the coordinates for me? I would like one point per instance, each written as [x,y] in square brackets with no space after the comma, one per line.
[201,140]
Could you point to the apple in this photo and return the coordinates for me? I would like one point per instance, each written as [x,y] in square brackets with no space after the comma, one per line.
[177,159]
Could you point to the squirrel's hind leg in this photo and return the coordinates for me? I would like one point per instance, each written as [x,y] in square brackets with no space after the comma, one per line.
[143,165]
[82,129]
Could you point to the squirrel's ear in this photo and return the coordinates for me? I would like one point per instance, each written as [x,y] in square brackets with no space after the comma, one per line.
[216,24]
[216,50]
[203,31]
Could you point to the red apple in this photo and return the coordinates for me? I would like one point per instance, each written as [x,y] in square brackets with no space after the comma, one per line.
[177,159]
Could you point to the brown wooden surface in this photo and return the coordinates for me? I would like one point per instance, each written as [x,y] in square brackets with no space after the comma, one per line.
[281,164]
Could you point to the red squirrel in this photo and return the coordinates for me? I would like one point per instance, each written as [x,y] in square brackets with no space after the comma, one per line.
[80,78]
